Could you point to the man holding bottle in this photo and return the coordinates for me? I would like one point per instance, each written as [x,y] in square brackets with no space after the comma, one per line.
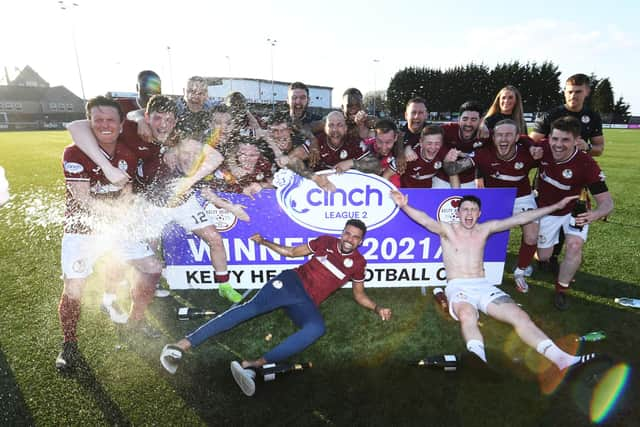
[565,170]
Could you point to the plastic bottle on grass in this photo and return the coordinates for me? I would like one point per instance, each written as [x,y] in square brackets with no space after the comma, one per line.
[628,302]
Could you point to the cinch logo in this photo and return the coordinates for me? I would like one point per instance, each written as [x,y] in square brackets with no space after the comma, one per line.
[357,196]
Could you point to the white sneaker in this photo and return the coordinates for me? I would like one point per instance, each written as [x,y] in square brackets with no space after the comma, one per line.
[528,271]
[161,293]
[170,358]
[114,313]
[521,284]
[245,378]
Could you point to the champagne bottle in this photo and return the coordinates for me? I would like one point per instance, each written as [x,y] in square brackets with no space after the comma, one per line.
[447,362]
[271,370]
[188,313]
[592,337]
[628,302]
[441,299]
[579,208]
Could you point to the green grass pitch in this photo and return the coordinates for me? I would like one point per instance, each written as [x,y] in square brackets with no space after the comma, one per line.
[362,373]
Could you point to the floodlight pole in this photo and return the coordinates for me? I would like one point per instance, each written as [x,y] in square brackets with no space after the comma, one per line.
[63,6]
[173,90]
[230,77]
[375,66]
[272,42]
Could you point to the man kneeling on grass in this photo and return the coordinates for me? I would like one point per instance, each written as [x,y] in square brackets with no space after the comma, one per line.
[299,292]
[467,288]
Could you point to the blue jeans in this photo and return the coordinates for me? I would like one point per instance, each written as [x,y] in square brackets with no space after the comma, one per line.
[291,297]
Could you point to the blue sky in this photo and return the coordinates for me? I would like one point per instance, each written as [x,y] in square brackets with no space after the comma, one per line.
[328,43]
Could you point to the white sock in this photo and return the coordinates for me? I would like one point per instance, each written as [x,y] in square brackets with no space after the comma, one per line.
[108,299]
[552,352]
[477,347]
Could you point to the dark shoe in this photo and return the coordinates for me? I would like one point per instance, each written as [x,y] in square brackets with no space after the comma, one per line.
[590,369]
[171,357]
[67,357]
[561,301]
[471,362]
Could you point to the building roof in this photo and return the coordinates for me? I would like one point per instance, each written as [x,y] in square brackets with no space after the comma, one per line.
[29,78]
[217,81]
[37,94]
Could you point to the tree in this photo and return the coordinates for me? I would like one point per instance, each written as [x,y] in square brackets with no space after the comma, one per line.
[621,111]
[602,99]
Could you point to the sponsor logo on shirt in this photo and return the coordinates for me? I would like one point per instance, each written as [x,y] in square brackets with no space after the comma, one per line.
[73,167]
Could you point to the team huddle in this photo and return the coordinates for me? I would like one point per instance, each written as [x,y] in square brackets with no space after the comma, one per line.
[150,161]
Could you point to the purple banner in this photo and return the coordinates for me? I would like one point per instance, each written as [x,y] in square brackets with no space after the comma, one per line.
[399,252]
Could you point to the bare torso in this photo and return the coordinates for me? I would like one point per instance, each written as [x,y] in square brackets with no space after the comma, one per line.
[463,250]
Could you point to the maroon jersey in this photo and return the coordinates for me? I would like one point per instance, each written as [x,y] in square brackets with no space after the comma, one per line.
[388,161]
[329,268]
[330,156]
[567,178]
[149,154]
[453,139]
[78,167]
[420,172]
[224,180]
[513,172]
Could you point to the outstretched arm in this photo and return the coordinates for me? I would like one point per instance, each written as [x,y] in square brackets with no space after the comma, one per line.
[363,299]
[526,216]
[402,200]
[288,251]
[84,138]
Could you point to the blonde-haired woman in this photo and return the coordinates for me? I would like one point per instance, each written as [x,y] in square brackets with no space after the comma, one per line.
[506,105]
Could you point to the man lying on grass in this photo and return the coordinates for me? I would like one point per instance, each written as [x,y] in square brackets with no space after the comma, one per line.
[299,292]
[467,288]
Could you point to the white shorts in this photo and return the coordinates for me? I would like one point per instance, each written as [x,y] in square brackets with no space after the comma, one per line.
[524,203]
[80,252]
[441,183]
[477,291]
[190,215]
[550,226]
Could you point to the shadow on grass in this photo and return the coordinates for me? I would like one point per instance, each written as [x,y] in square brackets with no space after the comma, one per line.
[84,375]
[351,386]
[13,409]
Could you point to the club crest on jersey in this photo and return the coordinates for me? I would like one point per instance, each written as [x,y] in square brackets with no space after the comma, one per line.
[437,165]
[259,176]
[567,173]
[518,165]
[122,165]
[477,144]
[348,262]
[343,154]
[585,119]
[277,284]
[223,220]
[73,167]
[79,266]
